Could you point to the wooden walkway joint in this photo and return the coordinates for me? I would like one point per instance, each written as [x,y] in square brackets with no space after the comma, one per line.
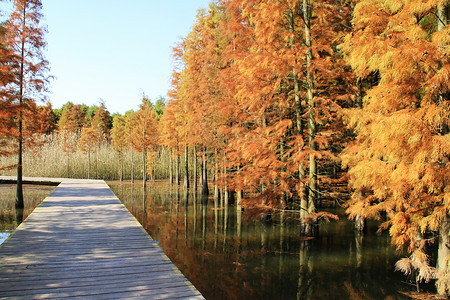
[81,242]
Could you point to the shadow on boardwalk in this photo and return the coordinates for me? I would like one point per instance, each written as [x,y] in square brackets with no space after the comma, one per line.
[81,242]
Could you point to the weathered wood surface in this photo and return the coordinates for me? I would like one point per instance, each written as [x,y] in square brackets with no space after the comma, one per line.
[81,242]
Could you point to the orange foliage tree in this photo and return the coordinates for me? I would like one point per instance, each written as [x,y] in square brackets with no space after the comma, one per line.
[200,93]
[287,93]
[119,139]
[7,108]
[399,163]
[25,37]
[258,91]
[144,132]
[87,143]
[168,131]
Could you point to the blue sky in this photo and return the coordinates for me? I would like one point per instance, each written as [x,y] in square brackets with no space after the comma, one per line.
[113,50]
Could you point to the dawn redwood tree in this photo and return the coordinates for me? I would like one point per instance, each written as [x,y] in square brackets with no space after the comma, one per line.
[46,119]
[399,162]
[25,37]
[144,131]
[7,108]
[288,97]
[204,97]
[171,123]
[168,134]
[119,139]
[102,120]
[87,142]
[64,118]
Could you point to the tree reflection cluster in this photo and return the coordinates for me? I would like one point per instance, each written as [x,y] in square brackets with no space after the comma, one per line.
[227,256]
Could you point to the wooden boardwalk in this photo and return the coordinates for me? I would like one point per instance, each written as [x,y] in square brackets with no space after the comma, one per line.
[81,242]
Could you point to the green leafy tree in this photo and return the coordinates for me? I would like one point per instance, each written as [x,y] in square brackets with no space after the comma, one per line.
[160,106]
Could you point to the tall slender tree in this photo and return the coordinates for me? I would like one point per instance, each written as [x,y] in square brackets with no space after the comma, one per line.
[145,132]
[25,36]
[119,139]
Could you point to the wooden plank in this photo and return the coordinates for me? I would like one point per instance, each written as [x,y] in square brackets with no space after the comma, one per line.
[81,242]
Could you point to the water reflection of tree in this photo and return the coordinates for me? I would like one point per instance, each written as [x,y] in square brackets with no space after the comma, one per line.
[305,288]
[222,256]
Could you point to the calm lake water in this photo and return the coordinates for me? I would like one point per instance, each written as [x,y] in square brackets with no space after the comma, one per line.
[228,257]
[33,195]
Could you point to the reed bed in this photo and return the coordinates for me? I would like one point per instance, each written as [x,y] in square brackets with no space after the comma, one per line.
[53,159]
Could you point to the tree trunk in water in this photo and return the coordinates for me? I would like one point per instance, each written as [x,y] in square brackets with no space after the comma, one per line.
[178,175]
[171,168]
[226,196]
[205,190]
[186,167]
[443,260]
[201,172]
[300,128]
[216,192]
[216,177]
[144,168]
[239,212]
[19,204]
[195,169]
[360,222]
[19,192]
[311,229]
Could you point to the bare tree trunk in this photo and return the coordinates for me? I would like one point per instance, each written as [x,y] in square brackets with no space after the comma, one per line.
[19,204]
[300,128]
[216,175]
[178,174]
[144,168]
[195,169]
[171,168]
[443,260]
[443,14]
[239,213]
[205,190]
[360,222]
[311,229]
[186,167]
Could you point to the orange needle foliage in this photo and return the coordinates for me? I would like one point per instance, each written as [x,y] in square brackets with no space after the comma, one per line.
[399,163]
[239,92]
[270,141]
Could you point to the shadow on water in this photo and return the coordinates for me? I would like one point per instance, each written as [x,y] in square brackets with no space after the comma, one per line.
[228,257]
